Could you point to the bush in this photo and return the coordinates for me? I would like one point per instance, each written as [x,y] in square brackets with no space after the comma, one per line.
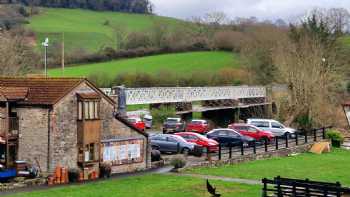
[178,162]
[160,114]
[73,175]
[335,136]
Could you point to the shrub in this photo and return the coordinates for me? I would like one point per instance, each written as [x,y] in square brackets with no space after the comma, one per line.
[73,175]
[160,114]
[178,162]
[335,136]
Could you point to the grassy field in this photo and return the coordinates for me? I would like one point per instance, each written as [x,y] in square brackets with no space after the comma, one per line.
[326,167]
[86,29]
[149,186]
[180,63]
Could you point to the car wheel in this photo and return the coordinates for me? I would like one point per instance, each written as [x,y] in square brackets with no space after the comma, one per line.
[185,151]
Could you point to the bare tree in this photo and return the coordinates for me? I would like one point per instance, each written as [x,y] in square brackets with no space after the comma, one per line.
[313,75]
[16,56]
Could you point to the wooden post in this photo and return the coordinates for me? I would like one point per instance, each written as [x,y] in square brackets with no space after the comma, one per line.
[7,128]
[276,142]
[230,152]
[286,138]
[242,148]
[315,135]
[296,139]
[265,143]
[219,151]
[324,133]
[254,147]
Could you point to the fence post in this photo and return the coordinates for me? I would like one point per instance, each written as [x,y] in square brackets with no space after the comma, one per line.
[264,194]
[296,138]
[209,155]
[178,148]
[305,137]
[265,144]
[286,138]
[315,135]
[219,151]
[279,191]
[276,142]
[230,152]
[338,189]
[324,133]
[242,148]
[254,147]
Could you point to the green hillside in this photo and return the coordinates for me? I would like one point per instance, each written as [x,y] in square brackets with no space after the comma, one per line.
[180,63]
[87,29]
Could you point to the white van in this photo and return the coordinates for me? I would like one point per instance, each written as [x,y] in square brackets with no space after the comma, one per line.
[275,127]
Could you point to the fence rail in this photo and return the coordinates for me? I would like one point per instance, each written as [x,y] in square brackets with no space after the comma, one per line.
[280,187]
[277,143]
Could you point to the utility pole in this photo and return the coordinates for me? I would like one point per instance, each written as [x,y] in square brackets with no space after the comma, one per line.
[45,44]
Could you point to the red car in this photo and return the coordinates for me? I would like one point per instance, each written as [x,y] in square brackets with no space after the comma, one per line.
[200,140]
[198,126]
[252,131]
[137,122]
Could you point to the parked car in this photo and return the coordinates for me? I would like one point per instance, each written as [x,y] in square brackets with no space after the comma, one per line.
[230,137]
[275,127]
[148,119]
[252,131]
[172,125]
[200,140]
[198,126]
[137,122]
[171,143]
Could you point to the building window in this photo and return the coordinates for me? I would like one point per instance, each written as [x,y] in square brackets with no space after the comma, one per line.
[89,110]
[90,152]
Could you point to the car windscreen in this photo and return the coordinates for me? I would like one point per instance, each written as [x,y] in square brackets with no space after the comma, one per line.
[196,122]
[171,120]
[178,138]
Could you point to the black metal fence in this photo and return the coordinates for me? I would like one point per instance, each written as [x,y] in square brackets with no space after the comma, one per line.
[277,143]
[280,187]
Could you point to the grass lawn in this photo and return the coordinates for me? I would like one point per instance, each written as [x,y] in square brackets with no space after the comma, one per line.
[330,167]
[179,63]
[86,29]
[149,186]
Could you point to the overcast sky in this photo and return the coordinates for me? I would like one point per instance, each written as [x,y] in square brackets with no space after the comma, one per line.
[263,9]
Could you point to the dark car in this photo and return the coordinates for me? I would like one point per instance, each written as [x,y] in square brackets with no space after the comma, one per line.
[172,144]
[172,125]
[230,137]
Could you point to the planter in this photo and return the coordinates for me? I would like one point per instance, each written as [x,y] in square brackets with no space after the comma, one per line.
[336,143]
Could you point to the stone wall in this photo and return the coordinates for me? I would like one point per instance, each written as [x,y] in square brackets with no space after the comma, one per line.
[33,135]
[112,128]
[252,157]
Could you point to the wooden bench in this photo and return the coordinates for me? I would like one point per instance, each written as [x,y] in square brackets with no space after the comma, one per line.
[283,187]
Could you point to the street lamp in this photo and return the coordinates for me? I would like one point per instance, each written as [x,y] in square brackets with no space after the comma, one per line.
[45,44]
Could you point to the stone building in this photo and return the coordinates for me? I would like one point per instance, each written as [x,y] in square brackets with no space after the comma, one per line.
[66,122]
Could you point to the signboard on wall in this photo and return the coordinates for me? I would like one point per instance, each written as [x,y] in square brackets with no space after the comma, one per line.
[123,152]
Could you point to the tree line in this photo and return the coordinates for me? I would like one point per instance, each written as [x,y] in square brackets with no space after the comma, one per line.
[132,6]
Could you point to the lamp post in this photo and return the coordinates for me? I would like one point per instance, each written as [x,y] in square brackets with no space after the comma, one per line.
[45,44]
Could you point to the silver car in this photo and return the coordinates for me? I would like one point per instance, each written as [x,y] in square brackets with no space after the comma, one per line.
[275,127]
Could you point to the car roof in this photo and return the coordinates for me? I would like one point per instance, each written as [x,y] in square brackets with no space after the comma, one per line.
[260,119]
[223,129]
[199,120]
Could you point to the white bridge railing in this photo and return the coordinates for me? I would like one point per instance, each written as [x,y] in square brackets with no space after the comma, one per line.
[189,94]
